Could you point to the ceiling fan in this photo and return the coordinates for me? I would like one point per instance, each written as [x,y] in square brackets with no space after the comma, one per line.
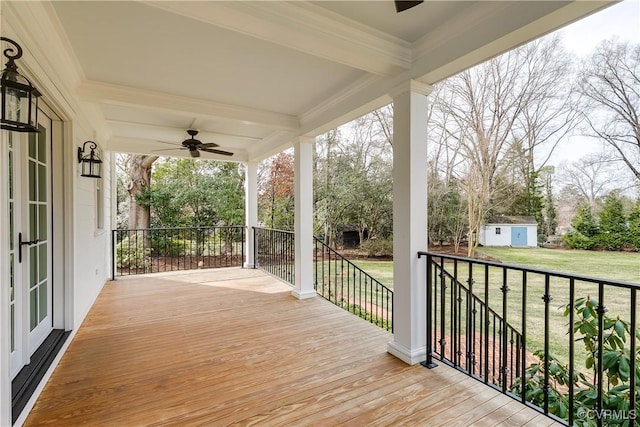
[402,5]
[195,146]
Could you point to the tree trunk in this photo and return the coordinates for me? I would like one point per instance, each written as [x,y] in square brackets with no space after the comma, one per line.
[139,181]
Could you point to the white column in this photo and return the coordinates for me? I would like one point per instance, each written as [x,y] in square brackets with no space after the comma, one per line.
[250,210]
[409,220]
[303,218]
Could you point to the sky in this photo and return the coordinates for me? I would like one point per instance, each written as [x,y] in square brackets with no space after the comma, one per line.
[621,20]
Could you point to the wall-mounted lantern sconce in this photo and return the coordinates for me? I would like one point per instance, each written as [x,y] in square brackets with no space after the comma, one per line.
[19,97]
[91,163]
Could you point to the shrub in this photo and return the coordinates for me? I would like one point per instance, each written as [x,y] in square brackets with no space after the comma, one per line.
[616,372]
[131,252]
[377,247]
[577,240]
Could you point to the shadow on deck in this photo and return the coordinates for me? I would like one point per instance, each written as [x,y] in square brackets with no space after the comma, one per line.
[232,346]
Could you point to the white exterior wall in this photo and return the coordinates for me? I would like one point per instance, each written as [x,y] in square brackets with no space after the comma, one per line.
[86,256]
[532,236]
[92,255]
[488,236]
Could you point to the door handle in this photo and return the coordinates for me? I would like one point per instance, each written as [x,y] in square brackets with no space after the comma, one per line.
[21,244]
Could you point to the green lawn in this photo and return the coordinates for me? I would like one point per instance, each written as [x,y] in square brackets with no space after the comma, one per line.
[382,271]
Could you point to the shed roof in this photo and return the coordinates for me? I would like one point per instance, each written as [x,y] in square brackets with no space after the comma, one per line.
[513,219]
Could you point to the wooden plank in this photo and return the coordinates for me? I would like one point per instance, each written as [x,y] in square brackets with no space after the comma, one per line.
[233,347]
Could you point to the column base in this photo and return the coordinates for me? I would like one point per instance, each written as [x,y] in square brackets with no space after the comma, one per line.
[410,357]
[304,294]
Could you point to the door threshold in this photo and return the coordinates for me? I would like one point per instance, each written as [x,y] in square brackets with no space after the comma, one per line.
[27,380]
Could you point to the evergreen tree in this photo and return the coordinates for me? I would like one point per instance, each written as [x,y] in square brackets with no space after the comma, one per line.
[613,224]
[586,231]
[550,212]
[634,226]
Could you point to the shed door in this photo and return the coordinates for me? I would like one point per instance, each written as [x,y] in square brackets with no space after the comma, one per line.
[518,236]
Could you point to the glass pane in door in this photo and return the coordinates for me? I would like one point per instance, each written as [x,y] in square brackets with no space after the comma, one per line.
[39,295]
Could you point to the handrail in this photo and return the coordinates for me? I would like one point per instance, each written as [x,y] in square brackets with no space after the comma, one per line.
[560,274]
[538,364]
[345,284]
[152,250]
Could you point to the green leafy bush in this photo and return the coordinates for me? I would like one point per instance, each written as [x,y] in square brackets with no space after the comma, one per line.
[377,247]
[578,240]
[132,252]
[616,362]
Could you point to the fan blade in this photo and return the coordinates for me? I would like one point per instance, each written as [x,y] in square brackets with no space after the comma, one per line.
[402,5]
[194,153]
[224,153]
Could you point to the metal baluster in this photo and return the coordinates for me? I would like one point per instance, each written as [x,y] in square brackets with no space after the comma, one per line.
[430,308]
[504,338]
[547,299]
[487,323]
[443,288]
[469,331]
[632,353]
[572,298]
[601,310]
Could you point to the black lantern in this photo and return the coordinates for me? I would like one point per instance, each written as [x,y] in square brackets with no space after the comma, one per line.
[19,97]
[91,163]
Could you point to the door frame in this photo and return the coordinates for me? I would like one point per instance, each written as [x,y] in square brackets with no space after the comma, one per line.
[61,234]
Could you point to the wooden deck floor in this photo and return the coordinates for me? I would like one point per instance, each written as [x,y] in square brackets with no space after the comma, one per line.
[233,347]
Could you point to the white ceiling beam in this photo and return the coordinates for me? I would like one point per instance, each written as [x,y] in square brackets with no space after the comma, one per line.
[304,27]
[271,145]
[175,134]
[145,99]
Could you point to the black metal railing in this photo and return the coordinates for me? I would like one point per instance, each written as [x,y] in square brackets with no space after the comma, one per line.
[274,252]
[343,283]
[152,250]
[544,338]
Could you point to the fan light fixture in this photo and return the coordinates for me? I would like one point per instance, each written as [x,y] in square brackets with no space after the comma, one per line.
[19,96]
[91,163]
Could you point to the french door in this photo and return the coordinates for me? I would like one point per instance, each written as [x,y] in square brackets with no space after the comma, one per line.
[30,254]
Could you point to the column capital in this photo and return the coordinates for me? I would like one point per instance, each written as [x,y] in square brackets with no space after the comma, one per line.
[411,86]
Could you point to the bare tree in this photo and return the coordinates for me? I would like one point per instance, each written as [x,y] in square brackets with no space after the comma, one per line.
[590,178]
[511,98]
[610,85]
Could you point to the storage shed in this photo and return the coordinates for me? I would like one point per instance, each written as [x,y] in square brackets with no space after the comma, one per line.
[520,231]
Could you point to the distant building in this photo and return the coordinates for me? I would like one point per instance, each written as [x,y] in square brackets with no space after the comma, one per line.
[519,231]
[351,236]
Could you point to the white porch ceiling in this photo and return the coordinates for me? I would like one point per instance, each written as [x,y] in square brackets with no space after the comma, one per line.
[253,75]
